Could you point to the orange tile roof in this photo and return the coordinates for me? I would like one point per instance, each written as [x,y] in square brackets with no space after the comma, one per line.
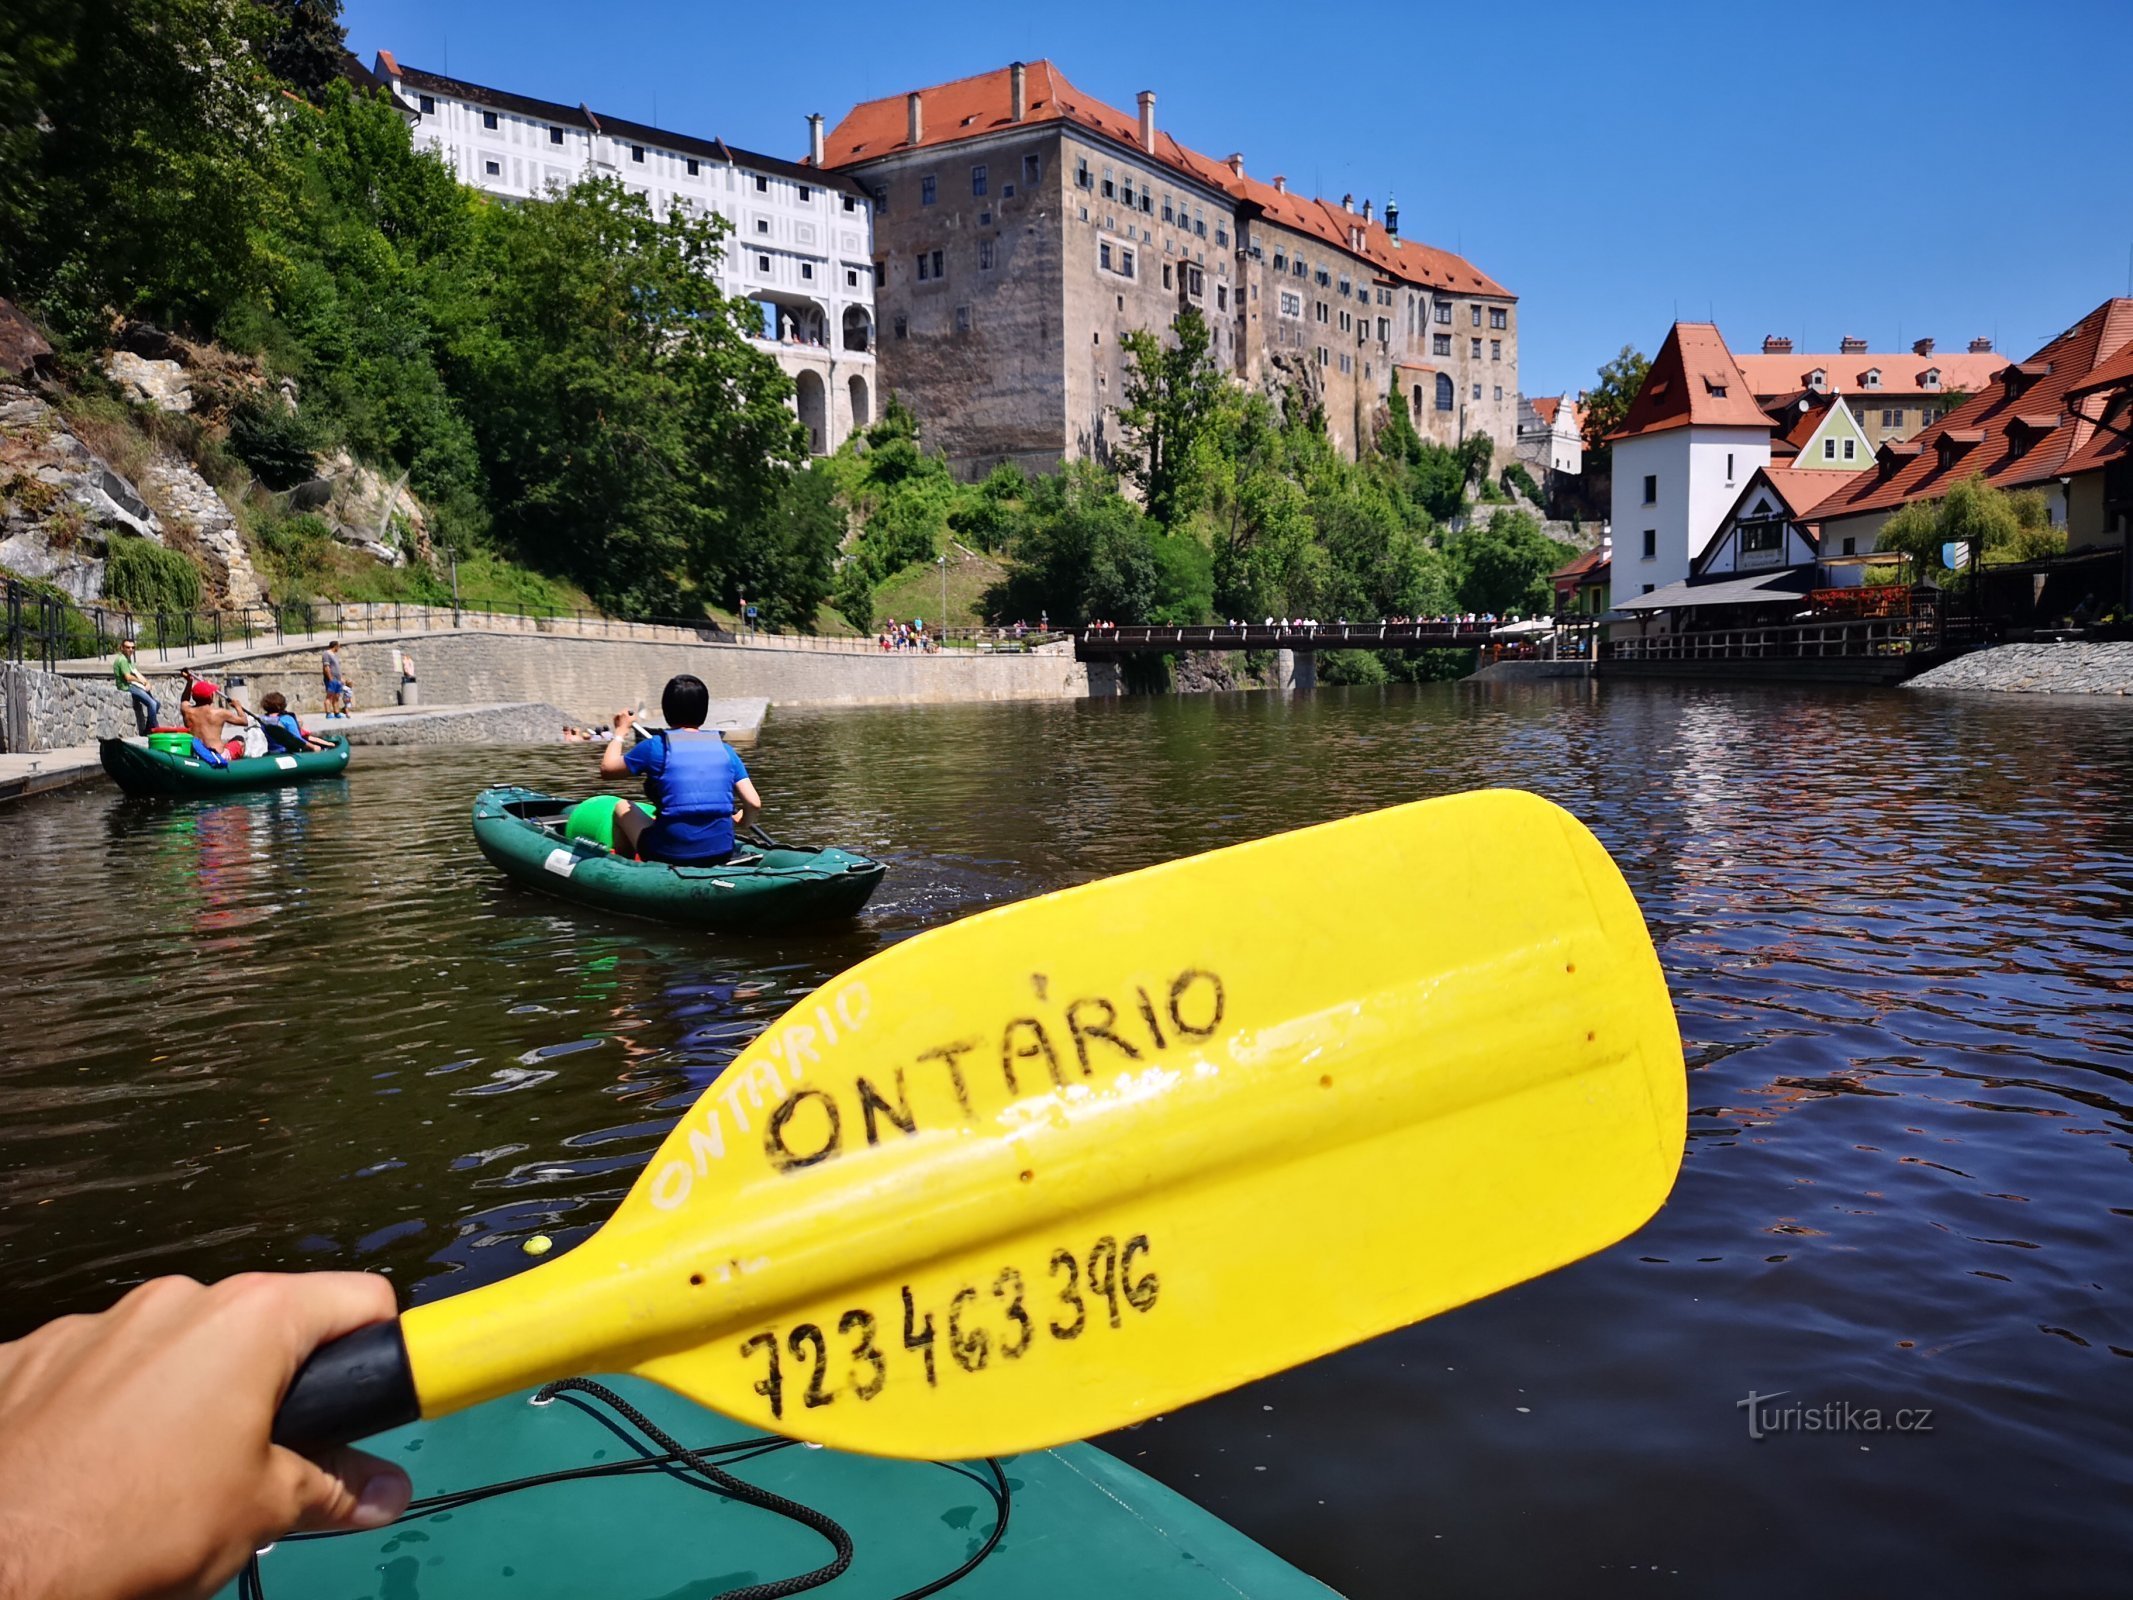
[1998,431]
[1805,488]
[1806,414]
[1546,407]
[1580,565]
[972,107]
[1960,370]
[1694,380]
[2112,374]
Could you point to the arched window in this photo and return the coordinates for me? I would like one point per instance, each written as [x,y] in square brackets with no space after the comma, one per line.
[1444,391]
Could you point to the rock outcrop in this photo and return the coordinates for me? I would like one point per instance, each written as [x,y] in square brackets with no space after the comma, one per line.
[60,503]
[162,384]
[191,506]
[367,510]
[24,352]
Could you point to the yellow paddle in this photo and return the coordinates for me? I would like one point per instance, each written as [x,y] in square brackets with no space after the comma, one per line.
[1088,1157]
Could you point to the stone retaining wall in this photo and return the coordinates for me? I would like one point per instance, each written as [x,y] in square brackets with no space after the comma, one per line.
[2073,668]
[1518,671]
[522,724]
[45,711]
[593,678]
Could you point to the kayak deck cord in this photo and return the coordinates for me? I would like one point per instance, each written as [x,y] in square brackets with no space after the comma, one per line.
[251,1585]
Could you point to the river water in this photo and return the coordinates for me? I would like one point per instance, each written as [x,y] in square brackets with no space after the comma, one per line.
[312,1028]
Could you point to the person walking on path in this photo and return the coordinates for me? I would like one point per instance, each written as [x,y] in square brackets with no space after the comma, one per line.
[336,690]
[147,710]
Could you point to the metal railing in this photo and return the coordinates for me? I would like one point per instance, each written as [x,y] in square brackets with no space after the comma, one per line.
[36,626]
[48,628]
[1851,636]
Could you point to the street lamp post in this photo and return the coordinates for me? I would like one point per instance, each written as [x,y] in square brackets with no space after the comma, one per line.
[941,561]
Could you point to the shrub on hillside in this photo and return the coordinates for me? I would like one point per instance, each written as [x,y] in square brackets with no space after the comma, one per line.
[268,436]
[144,576]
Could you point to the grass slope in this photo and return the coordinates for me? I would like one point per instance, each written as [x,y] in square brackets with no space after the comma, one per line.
[916,591]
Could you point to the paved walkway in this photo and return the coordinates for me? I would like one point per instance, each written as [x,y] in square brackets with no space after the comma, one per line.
[525,722]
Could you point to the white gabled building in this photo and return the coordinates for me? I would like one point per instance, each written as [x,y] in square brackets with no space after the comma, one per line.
[801,240]
[1691,440]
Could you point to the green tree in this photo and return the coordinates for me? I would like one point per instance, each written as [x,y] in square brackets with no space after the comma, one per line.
[307,44]
[632,430]
[1607,401]
[1173,392]
[1084,552]
[136,158]
[1258,518]
[1503,566]
[1990,525]
[784,564]
[903,498]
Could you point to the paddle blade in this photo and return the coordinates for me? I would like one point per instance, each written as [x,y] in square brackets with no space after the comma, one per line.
[1088,1157]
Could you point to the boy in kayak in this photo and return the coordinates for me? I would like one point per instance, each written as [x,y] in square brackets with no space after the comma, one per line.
[283,730]
[695,779]
[209,724]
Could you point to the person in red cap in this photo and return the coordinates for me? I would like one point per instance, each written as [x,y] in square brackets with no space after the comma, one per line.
[208,724]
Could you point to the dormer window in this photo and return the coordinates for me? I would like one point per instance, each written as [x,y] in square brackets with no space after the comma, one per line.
[1930,378]
[1871,378]
[1818,379]
[1716,390]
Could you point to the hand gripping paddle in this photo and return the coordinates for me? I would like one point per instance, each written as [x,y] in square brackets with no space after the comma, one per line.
[1078,1160]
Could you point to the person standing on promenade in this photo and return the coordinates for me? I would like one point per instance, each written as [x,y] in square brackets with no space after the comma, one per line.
[147,710]
[336,690]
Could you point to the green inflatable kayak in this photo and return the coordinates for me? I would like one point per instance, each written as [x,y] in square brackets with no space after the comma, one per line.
[611,1513]
[139,770]
[524,834]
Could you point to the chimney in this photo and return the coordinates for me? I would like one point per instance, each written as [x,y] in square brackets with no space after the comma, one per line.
[1281,184]
[1981,347]
[1851,345]
[1921,347]
[1392,216]
[1017,91]
[1236,164]
[1347,202]
[914,120]
[814,139]
[1776,344]
[1147,105]
[1366,210]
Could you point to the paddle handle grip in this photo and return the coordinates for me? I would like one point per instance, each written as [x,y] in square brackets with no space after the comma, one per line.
[356,1386]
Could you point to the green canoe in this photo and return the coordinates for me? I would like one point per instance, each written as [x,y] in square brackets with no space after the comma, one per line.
[774,887]
[139,770]
[1080,1525]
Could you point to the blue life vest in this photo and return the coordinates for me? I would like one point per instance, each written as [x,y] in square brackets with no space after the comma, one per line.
[690,775]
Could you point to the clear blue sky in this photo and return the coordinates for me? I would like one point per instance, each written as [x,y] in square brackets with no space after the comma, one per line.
[1938,167]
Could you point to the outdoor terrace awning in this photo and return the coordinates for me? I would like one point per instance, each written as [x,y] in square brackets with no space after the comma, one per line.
[1757,591]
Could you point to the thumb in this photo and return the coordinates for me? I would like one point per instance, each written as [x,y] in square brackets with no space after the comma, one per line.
[339,1490]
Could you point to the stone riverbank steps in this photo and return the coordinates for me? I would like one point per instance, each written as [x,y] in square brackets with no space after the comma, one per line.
[1082,1159]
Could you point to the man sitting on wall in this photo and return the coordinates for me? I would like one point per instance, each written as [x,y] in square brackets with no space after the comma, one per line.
[694,779]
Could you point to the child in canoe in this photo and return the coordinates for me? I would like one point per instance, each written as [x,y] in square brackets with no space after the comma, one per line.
[694,778]
[283,731]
